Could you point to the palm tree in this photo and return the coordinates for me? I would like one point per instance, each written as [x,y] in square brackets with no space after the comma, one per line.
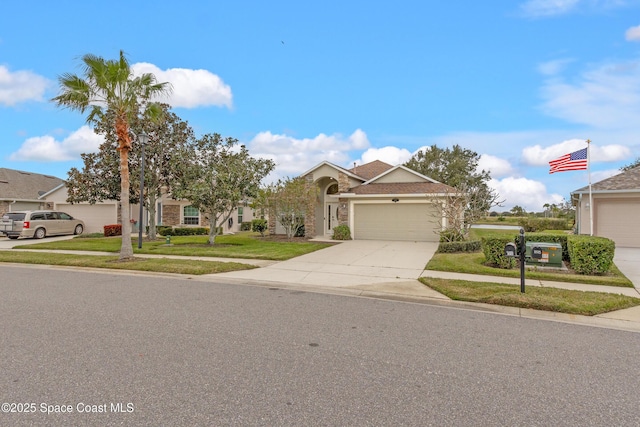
[109,86]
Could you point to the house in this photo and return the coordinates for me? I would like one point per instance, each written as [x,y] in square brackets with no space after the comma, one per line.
[21,190]
[376,200]
[616,206]
[178,213]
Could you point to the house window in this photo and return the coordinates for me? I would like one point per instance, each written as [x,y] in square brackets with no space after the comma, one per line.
[191,216]
[240,212]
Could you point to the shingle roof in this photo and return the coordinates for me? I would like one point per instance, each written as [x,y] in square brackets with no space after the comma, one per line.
[15,184]
[628,180]
[402,188]
[371,169]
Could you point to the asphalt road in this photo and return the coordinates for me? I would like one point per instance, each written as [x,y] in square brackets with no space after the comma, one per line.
[143,350]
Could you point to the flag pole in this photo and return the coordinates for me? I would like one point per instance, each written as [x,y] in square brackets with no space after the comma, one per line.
[590,196]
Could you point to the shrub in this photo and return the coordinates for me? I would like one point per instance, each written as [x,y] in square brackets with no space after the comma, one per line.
[532,224]
[493,249]
[245,226]
[164,230]
[590,255]
[451,235]
[113,230]
[259,226]
[182,231]
[300,231]
[468,246]
[341,232]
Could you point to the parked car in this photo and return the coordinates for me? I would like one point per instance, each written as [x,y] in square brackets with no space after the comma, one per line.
[39,224]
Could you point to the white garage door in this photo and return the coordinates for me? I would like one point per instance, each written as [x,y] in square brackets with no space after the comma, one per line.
[95,217]
[618,220]
[395,221]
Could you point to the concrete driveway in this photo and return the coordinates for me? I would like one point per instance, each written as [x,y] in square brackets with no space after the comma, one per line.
[6,243]
[351,263]
[628,262]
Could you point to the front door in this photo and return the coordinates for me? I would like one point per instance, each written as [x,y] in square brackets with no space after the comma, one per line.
[331,217]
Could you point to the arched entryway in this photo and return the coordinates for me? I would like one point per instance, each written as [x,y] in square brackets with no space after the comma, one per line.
[331,207]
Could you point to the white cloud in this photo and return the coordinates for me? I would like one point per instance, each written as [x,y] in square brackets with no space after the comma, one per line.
[294,156]
[191,88]
[606,96]
[551,68]
[548,8]
[391,155]
[539,8]
[496,166]
[539,156]
[526,193]
[633,34]
[21,86]
[48,149]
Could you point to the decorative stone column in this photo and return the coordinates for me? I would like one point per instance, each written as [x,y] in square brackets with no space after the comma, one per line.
[310,216]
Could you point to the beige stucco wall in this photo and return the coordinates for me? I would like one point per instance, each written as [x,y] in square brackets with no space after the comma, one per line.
[399,175]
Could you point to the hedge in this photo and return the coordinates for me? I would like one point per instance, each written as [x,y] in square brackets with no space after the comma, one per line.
[493,249]
[590,254]
[533,224]
[452,247]
[112,230]
[164,230]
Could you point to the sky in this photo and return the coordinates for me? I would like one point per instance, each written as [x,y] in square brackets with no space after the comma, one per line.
[518,82]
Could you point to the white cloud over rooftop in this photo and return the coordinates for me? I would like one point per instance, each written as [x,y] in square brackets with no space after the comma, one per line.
[21,86]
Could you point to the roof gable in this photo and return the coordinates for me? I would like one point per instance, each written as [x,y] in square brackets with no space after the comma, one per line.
[371,170]
[15,184]
[625,181]
[399,174]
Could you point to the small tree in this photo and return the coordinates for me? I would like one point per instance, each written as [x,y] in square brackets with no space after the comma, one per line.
[289,200]
[218,174]
[459,208]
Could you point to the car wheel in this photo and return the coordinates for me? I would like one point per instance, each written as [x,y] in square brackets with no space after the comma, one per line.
[40,233]
[13,237]
[78,230]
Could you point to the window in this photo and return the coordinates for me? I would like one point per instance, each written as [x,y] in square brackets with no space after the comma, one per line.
[240,211]
[191,216]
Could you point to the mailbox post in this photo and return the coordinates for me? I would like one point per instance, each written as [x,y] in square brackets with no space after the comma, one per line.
[511,250]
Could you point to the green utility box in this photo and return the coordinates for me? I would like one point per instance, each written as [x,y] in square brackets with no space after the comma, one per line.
[543,254]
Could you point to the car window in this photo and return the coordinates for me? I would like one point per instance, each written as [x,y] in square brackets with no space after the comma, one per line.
[16,216]
[65,216]
[37,216]
[52,215]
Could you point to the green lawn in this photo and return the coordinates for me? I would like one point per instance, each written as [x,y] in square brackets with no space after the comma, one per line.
[548,299]
[242,245]
[472,263]
[163,265]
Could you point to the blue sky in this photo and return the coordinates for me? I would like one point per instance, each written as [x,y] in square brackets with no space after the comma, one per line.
[520,83]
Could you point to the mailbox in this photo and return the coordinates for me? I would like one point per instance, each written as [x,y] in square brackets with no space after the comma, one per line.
[511,250]
[541,253]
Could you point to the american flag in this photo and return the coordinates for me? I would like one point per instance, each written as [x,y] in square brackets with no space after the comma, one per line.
[575,161]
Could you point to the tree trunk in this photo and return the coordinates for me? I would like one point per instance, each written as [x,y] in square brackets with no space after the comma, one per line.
[126,250]
[151,234]
[213,231]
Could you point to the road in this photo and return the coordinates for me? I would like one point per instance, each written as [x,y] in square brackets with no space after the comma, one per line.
[152,350]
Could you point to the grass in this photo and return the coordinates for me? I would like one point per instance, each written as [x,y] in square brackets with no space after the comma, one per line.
[242,245]
[163,265]
[548,299]
[472,263]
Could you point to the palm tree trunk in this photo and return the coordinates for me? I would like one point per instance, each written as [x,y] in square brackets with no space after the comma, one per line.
[126,250]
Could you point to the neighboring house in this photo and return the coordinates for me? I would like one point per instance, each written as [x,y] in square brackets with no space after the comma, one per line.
[21,190]
[376,200]
[168,212]
[616,207]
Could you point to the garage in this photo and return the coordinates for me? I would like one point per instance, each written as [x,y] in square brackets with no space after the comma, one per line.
[395,221]
[617,220]
[95,217]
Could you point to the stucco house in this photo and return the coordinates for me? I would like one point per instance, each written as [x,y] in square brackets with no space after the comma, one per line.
[178,213]
[616,207]
[376,200]
[20,190]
